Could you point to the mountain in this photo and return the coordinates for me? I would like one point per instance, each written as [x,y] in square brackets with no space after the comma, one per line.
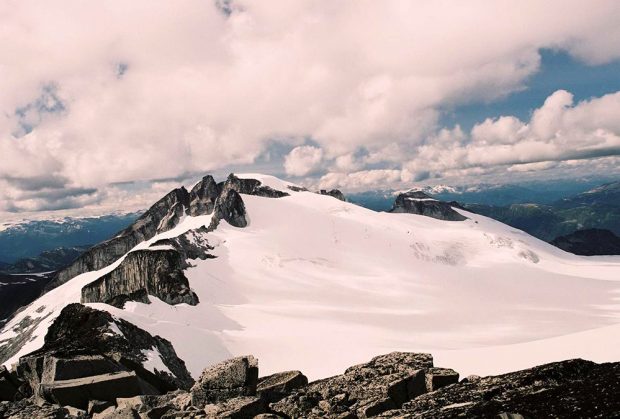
[589,242]
[18,290]
[47,261]
[497,195]
[596,208]
[257,265]
[28,239]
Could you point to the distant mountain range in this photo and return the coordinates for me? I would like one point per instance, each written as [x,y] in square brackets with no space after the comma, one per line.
[29,239]
[596,208]
[543,210]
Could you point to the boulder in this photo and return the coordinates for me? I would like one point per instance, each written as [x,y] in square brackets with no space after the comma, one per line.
[237,408]
[417,202]
[274,387]
[98,406]
[364,390]
[78,392]
[228,379]
[437,378]
[573,388]
[83,343]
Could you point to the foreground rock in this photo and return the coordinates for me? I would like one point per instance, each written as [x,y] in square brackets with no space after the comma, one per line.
[90,355]
[396,385]
[229,379]
[384,383]
[417,202]
[567,389]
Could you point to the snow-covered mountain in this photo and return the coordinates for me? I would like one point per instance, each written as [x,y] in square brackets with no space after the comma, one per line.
[278,271]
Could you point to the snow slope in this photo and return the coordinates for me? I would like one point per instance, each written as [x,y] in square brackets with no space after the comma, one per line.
[317,284]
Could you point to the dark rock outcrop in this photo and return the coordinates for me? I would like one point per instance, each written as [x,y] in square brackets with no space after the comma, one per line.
[202,197]
[142,273]
[384,383]
[417,202]
[334,193]
[589,242]
[566,389]
[10,386]
[162,216]
[277,386]
[205,197]
[235,377]
[230,207]
[248,187]
[90,355]
[396,385]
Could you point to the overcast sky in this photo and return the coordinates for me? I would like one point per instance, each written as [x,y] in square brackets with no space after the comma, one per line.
[109,104]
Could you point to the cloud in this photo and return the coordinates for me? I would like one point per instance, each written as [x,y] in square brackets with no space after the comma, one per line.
[122,91]
[560,131]
[303,160]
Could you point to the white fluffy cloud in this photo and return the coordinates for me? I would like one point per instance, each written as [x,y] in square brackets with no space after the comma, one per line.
[303,160]
[121,91]
[559,134]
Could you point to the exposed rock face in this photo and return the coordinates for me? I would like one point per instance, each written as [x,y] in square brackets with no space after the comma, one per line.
[162,216]
[143,273]
[589,242]
[248,187]
[230,207]
[567,389]
[89,354]
[233,378]
[396,385]
[417,202]
[384,383]
[10,386]
[277,386]
[205,197]
[334,192]
[202,197]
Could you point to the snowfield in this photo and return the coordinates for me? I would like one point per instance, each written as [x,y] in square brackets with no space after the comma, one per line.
[317,284]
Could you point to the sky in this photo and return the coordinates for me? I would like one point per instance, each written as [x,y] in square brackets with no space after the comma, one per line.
[108,105]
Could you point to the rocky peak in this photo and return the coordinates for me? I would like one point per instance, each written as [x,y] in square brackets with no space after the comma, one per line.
[202,197]
[165,214]
[417,202]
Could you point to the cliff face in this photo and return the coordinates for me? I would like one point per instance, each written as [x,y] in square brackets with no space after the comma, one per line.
[143,273]
[165,214]
[417,202]
[158,271]
[162,216]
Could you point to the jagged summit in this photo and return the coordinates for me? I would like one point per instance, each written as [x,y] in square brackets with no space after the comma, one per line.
[165,214]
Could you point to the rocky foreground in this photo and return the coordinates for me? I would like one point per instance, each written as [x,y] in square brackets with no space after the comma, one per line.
[93,365]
